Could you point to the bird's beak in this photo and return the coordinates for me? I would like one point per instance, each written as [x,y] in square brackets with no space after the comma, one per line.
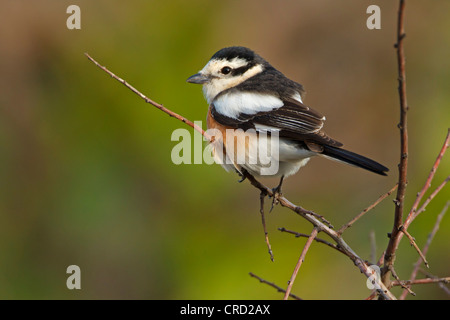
[198,78]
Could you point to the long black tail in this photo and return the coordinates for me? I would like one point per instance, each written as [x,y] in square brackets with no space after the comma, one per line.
[354,159]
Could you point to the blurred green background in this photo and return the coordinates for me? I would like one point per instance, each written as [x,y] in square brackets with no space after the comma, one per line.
[86,176]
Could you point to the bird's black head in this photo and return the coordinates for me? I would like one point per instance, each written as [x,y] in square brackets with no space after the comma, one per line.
[239,66]
[231,53]
[228,68]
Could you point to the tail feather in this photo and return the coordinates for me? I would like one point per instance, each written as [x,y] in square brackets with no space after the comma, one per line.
[354,159]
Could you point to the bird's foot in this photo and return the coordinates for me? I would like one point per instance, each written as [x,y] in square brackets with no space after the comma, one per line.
[276,193]
[242,175]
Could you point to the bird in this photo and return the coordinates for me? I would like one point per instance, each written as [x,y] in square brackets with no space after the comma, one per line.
[248,96]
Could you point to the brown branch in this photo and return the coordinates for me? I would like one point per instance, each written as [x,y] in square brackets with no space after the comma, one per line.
[319,222]
[310,240]
[427,246]
[403,165]
[436,227]
[304,235]
[279,289]
[432,195]
[148,100]
[427,184]
[263,220]
[414,212]
[360,263]
[373,205]
[412,241]
[440,284]
[421,281]
[400,227]
[313,218]
[401,283]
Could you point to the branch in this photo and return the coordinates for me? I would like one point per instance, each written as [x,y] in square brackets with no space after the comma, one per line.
[304,235]
[427,246]
[427,184]
[440,284]
[148,100]
[432,195]
[421,281]
[403,165]
[414,244]
[313,218]
[373,205]
[394,241]
[263,220]
[300,261]
[319,222]
[273,285]
[401,283]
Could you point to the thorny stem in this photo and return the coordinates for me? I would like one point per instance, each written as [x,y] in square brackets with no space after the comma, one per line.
[319,222]
[389,257]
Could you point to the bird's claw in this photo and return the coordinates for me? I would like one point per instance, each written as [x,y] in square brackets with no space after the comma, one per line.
[276,193]
[243,177]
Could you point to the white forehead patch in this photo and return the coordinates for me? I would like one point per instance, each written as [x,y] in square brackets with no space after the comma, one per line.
[214,66]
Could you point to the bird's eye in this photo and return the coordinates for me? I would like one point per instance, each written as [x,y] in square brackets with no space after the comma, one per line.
[226,70]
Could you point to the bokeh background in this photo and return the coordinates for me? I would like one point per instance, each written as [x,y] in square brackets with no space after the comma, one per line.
[86,176]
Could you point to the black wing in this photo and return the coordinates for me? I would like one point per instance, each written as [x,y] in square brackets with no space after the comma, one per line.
[293,120]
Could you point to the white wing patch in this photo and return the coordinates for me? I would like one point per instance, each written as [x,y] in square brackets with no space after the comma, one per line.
[232,104]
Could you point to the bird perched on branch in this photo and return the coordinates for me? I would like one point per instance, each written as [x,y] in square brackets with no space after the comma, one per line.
[253,106]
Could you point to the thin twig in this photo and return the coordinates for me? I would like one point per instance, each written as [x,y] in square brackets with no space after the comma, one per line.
[304,235]
[401,283]
[279,289]
[441,285]
[427,246]
[414,244]
[373,205]
[300,261]
[414,212]
[421,281]
[432,195]
[403,165]
[436,227]
[263,219]
[148,100]
[430,177]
